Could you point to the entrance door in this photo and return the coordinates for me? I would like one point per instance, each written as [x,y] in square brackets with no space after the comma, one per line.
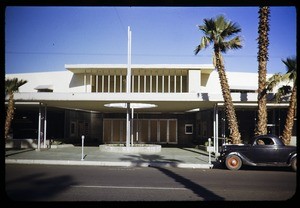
[144,131]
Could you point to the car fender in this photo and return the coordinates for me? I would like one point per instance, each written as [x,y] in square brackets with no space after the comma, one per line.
[291,157]
[245,160]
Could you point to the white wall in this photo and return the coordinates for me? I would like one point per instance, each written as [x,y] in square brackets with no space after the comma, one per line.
[66,81]
[240,80]
[62,81]
[194,80]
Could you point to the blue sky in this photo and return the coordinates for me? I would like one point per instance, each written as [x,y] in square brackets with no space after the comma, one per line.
[46,38]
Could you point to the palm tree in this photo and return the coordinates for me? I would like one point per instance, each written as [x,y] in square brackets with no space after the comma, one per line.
[11,86]
[290,75]
[221,33]
[262,58]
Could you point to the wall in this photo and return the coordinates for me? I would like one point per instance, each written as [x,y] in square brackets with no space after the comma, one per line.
[62,81]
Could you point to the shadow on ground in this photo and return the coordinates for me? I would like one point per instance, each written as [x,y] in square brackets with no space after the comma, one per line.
[197,189]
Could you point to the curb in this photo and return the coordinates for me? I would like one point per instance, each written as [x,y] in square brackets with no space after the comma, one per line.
[101,163]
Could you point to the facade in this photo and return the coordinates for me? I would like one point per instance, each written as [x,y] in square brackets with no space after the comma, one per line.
[164,104]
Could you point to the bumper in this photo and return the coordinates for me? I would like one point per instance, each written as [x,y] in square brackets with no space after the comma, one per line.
[221,159]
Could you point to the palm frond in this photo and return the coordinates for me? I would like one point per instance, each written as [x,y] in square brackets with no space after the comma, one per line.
[231,29]
[282,91]
[204,44]
[273,81]
[235,43]
[12,85]
[291,68]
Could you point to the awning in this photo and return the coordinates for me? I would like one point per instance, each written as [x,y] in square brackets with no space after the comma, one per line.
[44,87]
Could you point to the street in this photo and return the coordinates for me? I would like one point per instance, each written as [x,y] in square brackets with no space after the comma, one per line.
[94,183]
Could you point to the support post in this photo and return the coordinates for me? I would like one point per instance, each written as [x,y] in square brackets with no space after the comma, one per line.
[39,128]
[131,124]
[214,128]
[45,126]
[217,132]
[128,125]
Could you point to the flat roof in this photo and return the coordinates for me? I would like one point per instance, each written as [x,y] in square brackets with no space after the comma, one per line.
[85,68]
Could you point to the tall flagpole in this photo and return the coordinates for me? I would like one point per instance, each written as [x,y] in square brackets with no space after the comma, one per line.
[128,84]
[128,80]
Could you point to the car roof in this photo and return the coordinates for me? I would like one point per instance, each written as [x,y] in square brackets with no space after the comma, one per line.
[277,140]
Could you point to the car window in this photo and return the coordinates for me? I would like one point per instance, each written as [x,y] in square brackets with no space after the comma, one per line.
[264,141]
[260,142]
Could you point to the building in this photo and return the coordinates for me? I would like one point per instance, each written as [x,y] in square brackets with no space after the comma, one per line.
[178,105]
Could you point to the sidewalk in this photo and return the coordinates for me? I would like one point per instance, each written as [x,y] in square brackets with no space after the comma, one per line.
[168,157]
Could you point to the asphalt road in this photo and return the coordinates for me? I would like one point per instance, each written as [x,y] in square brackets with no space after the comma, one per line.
[93,183]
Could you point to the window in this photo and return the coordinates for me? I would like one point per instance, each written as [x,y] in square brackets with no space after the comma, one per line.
[188,128]
[264,141]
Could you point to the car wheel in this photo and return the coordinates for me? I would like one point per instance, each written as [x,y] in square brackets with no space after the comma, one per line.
[294,164]
[233,162]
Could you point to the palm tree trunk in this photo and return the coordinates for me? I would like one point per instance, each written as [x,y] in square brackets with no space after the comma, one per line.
[262,120]
[263,42]
[229,108]
[9,114]
[289,123]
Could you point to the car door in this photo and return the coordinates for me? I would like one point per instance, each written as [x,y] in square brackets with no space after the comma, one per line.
[264,152]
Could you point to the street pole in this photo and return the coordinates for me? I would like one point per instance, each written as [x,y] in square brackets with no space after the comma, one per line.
[82,144]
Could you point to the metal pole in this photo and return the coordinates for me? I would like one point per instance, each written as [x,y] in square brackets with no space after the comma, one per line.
[128,126]
[45,126]
[82,144]
[214,128]
[39,128]
[131,124]
[209,150]
[128,79]
[217,132]
[137,127]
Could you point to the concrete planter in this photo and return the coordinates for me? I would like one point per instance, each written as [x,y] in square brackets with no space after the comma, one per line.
[137,148]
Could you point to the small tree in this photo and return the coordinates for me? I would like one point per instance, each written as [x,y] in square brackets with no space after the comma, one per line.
[290,75]
[11,86]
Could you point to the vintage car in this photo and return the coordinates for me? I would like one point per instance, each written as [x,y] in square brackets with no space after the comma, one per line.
[262,150]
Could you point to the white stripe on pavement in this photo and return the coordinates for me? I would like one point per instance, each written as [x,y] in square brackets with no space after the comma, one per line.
[130,187]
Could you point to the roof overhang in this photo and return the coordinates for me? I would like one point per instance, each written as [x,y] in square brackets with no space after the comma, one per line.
[165,102]
[91,68]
